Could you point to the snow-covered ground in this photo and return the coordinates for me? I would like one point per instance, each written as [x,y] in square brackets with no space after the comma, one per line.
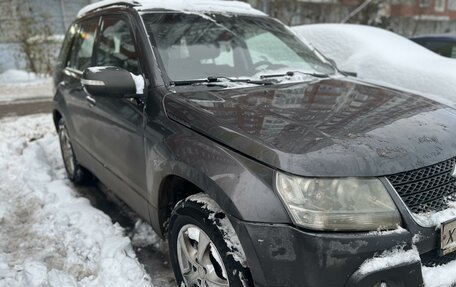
[18,85]
[50,235]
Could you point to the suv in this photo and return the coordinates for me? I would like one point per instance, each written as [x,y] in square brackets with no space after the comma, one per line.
[259,161]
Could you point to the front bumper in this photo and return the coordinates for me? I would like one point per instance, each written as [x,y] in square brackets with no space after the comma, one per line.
[282,255]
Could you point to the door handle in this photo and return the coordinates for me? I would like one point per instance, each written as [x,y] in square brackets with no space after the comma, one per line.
[92,102]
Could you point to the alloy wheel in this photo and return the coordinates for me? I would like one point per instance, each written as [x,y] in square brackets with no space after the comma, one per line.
[199,260]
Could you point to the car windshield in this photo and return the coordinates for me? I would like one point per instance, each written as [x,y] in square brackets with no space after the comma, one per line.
[194,46]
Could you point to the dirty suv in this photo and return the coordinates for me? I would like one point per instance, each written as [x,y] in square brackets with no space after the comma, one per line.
[259,161]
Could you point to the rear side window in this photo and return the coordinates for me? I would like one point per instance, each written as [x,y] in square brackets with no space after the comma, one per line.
[446,49]
[116,45]
[82,50]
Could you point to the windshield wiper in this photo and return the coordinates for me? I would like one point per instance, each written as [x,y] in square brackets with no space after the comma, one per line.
[217,81]
[196,81]
[247,81]
[292,73]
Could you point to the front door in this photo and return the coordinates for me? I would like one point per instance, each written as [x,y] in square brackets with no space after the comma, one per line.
[116,125]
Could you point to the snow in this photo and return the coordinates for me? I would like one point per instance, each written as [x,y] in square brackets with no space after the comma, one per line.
[50,236]
[21,77]
[390,258]
[434,219]
[440,276]
[380,232]
[201,6]
[139,83]
[18,85]
[224,224]
[385,58]
[217,6]
[143,235]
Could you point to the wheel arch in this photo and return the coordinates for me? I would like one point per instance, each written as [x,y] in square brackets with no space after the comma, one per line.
[56,116]
[173,189]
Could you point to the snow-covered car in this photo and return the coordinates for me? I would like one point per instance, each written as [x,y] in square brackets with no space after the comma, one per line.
[259,162]
[383,57]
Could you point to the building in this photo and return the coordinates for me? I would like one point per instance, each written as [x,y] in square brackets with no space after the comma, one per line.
[417,17]
[406,17]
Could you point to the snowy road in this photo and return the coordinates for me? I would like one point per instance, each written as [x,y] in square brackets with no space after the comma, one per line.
[16,108]
[53,234]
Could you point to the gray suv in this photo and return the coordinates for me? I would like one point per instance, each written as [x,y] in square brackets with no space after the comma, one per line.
[259,161]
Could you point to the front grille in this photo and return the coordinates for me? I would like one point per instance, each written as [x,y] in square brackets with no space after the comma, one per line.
[426,189]
[432,259]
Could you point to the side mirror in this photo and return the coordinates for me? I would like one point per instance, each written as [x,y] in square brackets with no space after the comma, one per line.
[112,82]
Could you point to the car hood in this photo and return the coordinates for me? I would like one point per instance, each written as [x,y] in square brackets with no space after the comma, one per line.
[331,127]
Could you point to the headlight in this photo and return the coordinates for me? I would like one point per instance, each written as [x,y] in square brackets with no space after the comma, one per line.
[338,204]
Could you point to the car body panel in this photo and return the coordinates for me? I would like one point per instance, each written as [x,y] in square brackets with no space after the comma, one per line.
[233,180]
[324,128]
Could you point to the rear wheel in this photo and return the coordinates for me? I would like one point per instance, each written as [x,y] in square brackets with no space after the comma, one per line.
[76,173]
[199,234]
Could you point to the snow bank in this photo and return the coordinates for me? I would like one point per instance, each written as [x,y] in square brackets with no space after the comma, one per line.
[386,58]
[21,77]
[201,6]
[18,85]
[441,276]
[143,236]
[49,235]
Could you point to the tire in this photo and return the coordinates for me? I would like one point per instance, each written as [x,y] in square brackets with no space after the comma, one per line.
[76,173]
[222,263]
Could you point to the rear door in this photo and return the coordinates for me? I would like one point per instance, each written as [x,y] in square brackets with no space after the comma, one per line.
[116,125]
[80,58]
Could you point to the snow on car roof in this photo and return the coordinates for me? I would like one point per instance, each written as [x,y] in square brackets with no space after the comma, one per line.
[200,6]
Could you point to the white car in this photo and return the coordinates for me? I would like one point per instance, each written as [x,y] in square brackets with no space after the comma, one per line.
[385,58]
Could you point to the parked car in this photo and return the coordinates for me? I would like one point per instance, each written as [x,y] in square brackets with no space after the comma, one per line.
[444,45]
[259,162]
[383,57]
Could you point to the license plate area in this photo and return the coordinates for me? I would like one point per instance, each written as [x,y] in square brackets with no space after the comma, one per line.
[448,237]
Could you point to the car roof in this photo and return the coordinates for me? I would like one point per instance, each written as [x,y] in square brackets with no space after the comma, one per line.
[193,6]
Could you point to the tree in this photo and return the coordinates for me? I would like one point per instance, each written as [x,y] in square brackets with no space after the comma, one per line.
[36,40]
[370,12]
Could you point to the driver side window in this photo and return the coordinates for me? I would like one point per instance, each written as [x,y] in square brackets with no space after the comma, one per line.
[116,45]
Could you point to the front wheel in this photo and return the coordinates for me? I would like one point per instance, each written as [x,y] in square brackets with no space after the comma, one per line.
[205,250]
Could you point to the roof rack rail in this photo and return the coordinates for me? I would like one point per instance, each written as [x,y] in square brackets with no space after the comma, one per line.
[106,3]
